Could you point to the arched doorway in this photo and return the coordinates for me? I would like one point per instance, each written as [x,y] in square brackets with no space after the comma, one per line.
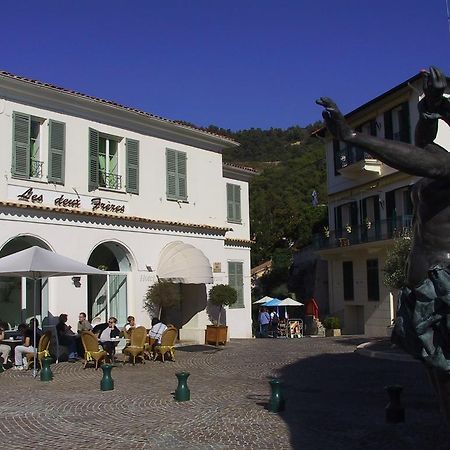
[16,294]
[108,295]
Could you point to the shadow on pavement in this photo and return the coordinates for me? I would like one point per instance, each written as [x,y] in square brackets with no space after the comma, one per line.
[338,401]
[199,348]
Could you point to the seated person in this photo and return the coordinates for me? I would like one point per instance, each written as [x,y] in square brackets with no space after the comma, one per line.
[67,337]
[130,325]
[156,332]
[106,336]
[28,346]
[83,323]
[5,350]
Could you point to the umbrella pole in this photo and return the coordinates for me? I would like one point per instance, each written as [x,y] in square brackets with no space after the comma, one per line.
[34,327]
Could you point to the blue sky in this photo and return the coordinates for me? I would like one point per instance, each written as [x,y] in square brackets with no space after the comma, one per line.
[236,63]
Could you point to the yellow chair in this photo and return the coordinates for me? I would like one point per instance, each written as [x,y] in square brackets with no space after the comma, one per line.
[44,343]
[92,351]
[137,344]
[167,345]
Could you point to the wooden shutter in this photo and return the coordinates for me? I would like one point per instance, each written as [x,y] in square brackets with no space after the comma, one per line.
[93,159]
[171,173]
[404,123]
[176,174]
[388,130]
[56,151]
[132,163]
[21,145]
[233,202]
[236,280]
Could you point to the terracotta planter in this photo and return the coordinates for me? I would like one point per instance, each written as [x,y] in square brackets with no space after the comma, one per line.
[216,334]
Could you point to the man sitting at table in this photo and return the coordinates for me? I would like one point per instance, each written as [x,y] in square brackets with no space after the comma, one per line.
[28,346]
[67,337]
[106,336]
[5,350]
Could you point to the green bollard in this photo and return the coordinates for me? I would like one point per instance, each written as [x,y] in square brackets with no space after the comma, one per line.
[46,372]
[182,392]
[276,402]
[107,383]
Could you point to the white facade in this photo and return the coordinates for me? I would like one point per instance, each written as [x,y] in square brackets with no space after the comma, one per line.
[124,221]
[369,205]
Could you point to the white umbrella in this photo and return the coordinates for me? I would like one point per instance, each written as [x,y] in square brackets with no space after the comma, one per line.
[36,263]
[262,300]
[290,302]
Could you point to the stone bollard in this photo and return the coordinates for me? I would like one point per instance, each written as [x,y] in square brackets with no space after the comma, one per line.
[182,393]
[276,402]
[107,383]
[46,372]
[395,413]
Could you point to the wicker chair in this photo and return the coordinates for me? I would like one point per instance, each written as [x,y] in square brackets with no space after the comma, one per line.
[92,351]
[137,344]
[167,345]
[44,343]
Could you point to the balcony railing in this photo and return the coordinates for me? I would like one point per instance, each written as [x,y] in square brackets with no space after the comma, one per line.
[360,234]
[110,180]
[36,168]
[350,155]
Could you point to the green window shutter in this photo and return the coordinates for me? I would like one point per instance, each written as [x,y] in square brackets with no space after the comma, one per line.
[176,175]
[233,203]
[132,169]
[56,151]
[181,171]
[236,280]
[93,159]
[388,131]
[171,173]
[404,123]
[21,145]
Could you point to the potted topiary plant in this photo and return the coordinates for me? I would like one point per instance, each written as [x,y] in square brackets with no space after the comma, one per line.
[220,295]
[332,326]
[163,294]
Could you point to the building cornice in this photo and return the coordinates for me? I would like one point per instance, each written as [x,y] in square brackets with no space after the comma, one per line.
[233,242]
[237,172]
[40,94]
[155,223]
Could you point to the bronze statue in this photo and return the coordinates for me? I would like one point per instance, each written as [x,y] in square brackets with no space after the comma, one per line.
[422,326]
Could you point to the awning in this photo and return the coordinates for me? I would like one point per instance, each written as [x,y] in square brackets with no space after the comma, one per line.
[183,263]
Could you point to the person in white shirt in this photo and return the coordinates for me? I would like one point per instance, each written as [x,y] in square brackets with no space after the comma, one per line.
[156,331]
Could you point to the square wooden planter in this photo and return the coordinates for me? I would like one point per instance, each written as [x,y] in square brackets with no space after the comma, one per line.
[216,334]
[330,333]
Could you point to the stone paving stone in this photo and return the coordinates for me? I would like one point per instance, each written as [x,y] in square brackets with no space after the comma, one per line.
[334,397]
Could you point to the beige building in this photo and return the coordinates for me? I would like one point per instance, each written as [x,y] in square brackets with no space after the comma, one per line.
[369,205]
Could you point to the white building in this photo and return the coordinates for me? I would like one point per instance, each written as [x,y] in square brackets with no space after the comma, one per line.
[137,195]
[369,205]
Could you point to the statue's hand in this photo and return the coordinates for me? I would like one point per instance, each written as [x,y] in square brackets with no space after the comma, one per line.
[434,85]
[334,119]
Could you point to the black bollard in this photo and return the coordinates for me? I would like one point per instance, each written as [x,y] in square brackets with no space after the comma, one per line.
[276,402]
[395,413]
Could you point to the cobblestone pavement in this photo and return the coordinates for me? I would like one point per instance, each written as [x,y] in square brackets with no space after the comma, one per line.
[335,398]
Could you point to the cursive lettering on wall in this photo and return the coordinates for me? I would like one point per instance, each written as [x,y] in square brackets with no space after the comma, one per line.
[67,202]
[28,196]
[97,204]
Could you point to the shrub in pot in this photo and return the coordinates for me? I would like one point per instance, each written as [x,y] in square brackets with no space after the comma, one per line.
[332,326]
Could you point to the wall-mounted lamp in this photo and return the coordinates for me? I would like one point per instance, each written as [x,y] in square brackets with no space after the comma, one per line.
[76,281]
[149,268]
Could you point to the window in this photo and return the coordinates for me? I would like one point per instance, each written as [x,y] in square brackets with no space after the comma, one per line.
[347,272]
[176,175]
[373,288]
[236,280]
[105,162]
[28,153]
[396,123]
[233,203]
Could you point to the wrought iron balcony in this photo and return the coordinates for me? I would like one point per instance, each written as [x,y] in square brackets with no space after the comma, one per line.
[36,168]
[110,180]
[360,234]
[353,162]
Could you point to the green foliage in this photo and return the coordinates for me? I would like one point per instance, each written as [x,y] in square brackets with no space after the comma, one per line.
[163,294]
[222,295]
[332,323]
[396,263]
